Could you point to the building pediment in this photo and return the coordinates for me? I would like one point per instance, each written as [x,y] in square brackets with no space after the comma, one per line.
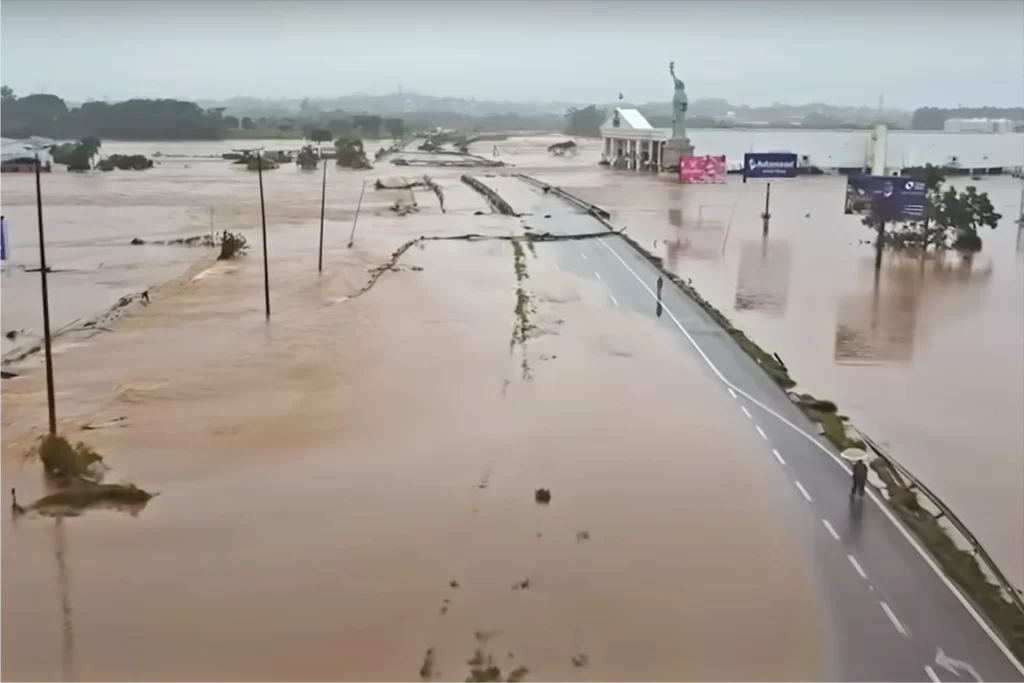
[625,119]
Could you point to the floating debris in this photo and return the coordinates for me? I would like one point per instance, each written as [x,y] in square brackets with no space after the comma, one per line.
[580,660]
[542,496]
[74,500]
[427,669]
[582,536]
[517,674]
[521,585]
[453,584]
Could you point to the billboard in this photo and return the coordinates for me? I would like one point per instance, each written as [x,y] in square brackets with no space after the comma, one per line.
[703,169]
[769,165]
[897,198]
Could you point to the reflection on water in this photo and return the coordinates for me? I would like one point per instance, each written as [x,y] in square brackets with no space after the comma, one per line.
[880,326]
[876,328]
[762,283]
[697,237]
[67,650]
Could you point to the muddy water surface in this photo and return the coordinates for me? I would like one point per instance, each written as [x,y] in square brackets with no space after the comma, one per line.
[351,486]
[926,358]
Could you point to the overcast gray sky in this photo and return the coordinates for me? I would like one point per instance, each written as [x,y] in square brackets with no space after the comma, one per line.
[914,52]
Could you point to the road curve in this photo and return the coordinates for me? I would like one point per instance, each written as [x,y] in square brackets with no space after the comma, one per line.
[891,613]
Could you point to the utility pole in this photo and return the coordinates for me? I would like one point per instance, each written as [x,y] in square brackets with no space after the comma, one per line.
[263,217]
[323,199]
[47,345]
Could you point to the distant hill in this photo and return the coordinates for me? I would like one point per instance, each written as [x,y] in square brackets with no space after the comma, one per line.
[816,114]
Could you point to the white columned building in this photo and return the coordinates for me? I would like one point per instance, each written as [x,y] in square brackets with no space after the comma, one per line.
[631,143]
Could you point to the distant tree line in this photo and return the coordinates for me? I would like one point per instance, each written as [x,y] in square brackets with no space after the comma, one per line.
[164,119]
[934,118]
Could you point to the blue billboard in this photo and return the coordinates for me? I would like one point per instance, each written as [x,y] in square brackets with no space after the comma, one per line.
[893,198]
[769,165]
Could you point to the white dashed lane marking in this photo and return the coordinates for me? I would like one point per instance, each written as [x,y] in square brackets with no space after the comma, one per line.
[583,255]
[597,274]
[761,432]
[746,412]
[733,393]
[931,674]
[803,491]
[614,300]
[892,617]
[831,530]
[778,456]
[857,567]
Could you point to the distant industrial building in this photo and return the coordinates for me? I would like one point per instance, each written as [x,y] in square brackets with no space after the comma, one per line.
[979,126]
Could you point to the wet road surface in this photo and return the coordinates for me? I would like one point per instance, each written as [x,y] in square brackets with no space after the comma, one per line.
[891,613]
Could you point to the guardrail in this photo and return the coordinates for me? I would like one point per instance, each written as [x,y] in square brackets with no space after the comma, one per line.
[909,481]
[912,483]
[492,197]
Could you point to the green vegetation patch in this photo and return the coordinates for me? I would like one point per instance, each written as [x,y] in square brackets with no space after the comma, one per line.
[62,460]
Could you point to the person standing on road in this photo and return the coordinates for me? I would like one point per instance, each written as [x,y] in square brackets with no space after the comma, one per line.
[661,283]
[860,478]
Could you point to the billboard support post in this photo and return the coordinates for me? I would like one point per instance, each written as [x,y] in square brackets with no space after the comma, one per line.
[769,165]
[766,216]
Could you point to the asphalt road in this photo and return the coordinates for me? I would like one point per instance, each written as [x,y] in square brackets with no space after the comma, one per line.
[891,613]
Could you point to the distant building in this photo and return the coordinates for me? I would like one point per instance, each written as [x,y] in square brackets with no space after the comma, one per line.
[631,142]
[979,126]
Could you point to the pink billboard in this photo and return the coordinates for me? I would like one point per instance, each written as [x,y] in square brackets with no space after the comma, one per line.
[703,169]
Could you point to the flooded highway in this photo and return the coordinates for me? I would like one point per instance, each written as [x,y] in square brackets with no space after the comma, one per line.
[348,490]
[898,354]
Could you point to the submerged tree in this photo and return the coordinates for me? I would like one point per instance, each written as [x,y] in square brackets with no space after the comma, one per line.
[351,154]
[951,219]
[584,123]
[960,214]
[77,156]
[308,158]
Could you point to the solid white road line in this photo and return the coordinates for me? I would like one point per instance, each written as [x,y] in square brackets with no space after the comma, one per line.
[856,566]
[803,491]
[597,274]
[746,412]
[931,674]
[839,461]
[831,529]
[778,456]
[761,432]
[892,618]
[614,300]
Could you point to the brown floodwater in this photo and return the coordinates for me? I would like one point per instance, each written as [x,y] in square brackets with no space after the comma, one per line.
[926,357]
[351,485]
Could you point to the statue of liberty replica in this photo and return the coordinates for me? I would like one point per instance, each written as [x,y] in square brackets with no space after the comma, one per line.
[678,145]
